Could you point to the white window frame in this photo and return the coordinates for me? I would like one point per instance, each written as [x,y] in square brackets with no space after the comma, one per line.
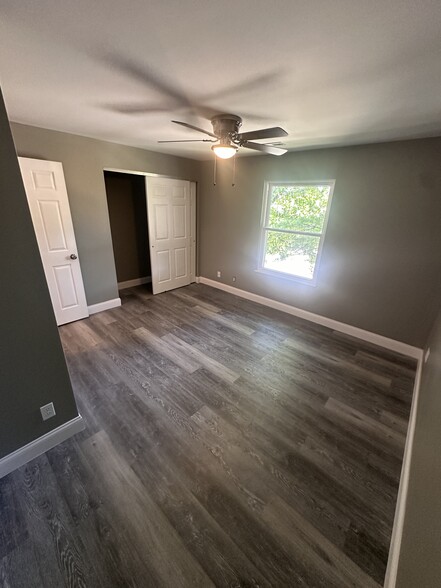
[265,228]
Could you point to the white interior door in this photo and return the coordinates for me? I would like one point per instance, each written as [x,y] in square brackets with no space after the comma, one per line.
[49,205]
[169,220]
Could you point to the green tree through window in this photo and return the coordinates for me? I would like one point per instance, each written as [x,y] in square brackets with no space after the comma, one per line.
[295,222]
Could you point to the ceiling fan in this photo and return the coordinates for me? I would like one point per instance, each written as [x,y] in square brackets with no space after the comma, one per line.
[227,139]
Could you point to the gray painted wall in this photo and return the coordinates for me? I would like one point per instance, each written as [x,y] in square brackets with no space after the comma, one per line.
[420,560]
[127,204]
[83,161]
[32,367]
[381,261]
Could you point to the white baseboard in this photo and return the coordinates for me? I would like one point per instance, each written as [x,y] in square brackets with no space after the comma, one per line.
[380,340]
[397,530]
[134,282]
[106,305]
[39,446]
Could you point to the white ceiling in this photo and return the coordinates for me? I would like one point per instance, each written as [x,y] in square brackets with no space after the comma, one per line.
[331,72]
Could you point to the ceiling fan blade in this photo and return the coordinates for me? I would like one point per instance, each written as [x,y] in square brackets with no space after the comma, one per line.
[189,141]
[264,148]
[263,134]
[194,128]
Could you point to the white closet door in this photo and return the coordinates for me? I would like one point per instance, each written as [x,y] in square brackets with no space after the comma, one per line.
[49,205]
[168,205]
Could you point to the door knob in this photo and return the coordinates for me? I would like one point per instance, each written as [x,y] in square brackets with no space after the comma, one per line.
[73,256]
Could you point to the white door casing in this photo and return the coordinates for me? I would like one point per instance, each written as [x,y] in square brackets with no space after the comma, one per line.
[193,231]
[169,222]
[49,206]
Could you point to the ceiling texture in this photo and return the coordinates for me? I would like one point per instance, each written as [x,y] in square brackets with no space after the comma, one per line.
[331,72]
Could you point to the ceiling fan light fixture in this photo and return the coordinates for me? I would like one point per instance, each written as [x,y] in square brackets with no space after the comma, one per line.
[224,151]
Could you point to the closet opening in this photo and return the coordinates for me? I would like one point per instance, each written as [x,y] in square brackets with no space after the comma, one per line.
[127,204]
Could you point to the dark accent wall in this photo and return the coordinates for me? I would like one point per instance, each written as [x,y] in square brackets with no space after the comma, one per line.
[33,370]
[127,203]
[381,261]
[420,560]
[84,161]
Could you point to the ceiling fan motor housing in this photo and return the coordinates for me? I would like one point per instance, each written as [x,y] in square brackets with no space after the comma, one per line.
[226,126]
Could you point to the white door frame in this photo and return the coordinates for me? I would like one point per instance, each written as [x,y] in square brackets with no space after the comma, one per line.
[193,208]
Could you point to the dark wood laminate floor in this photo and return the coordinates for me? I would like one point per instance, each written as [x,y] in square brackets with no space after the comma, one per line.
[226,445]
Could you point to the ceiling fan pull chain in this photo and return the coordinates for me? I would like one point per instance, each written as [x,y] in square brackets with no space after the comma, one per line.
[233,183]
[214,174]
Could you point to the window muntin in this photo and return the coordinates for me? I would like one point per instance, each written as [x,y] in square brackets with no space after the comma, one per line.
[295,217]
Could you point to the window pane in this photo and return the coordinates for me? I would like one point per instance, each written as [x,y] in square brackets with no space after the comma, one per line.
[291,254]
[298,208]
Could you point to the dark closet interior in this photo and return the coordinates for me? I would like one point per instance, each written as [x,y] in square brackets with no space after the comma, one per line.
[127,203]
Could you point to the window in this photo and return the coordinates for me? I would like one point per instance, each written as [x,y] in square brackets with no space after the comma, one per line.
[294,225]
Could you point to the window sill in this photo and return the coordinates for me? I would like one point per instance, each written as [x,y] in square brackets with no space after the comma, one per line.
[289,277]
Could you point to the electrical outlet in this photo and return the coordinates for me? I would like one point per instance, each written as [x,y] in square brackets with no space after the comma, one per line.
[47,411]
[219,274]
[234,278]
